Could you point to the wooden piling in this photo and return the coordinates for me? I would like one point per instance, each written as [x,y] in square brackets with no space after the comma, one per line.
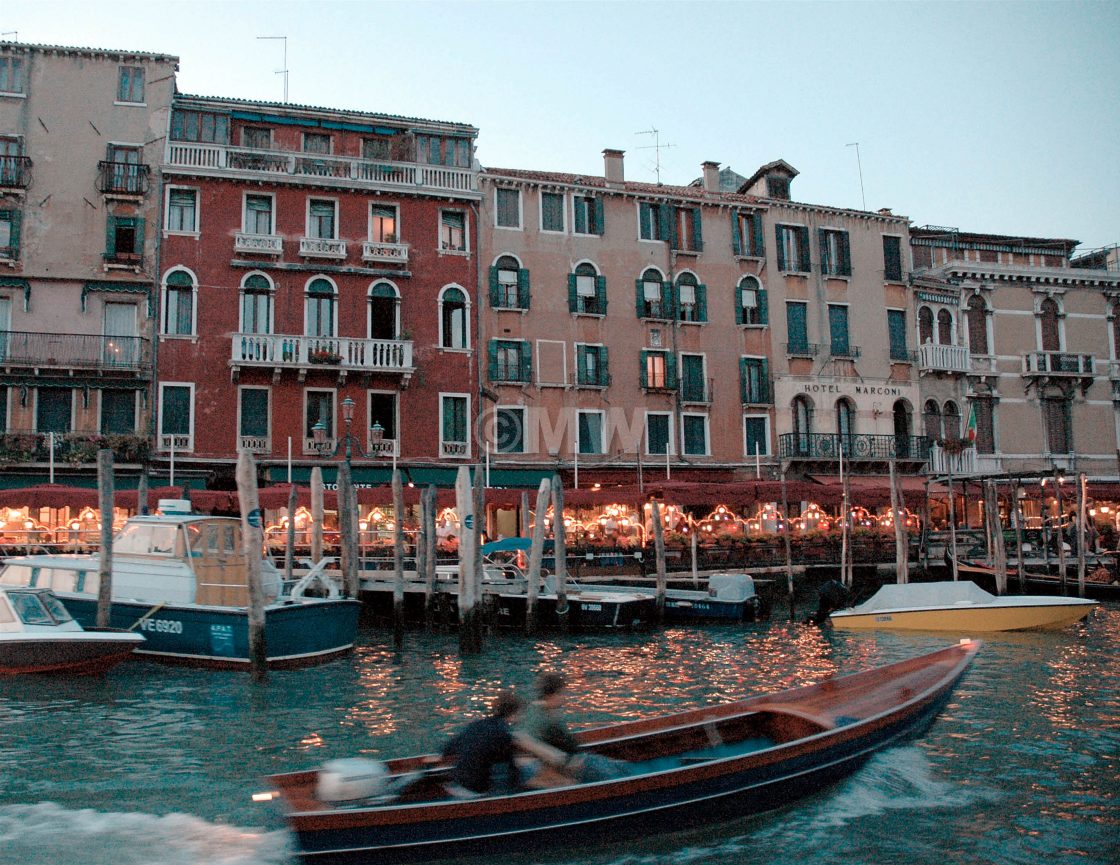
[347,534]
[536,553]
[659,557]
[560,547]
[693,543]
[1020,565]
[290,542]
[952,521]
[478,505]
[422,555]
[523,521]
[995,532]
[428,571]
[1061,534]
[788,547]
[901,553]
[398,560]
[1082,535]
[142,493]
[317,515]
[252,541]
[105,486]
[468,602]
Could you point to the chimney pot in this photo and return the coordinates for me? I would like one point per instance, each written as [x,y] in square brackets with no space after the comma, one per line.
[612,166]
[711,176]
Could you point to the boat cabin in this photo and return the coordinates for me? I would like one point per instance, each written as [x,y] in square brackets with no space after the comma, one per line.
[30,610]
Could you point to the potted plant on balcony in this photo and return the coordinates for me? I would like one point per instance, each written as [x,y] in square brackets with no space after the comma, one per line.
[324,356]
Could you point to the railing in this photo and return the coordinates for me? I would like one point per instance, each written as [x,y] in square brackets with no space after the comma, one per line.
[982,364]
[15,171]
[280,350]
[944,358]
[321,247]
[903,355]
[74,350]
[758,393]
[696,391]
[123,178]
[599,378]
[943,462]
[453,449]
[844,352]
[382,447]
[802,349]
[394,253]
[129,259]
[856,447]
[176,442]
[266,244]
[254,444]
[333,169]
[1057,363]
[74,447]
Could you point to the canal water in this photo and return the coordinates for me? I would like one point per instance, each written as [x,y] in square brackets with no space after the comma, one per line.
[156,765]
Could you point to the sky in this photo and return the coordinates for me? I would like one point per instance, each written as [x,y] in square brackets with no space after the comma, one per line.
[994,117]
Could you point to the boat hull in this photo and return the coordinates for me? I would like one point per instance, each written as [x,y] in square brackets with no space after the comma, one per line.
[73,652]
[978,619]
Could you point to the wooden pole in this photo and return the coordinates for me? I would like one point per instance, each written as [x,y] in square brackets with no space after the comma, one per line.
[290,545]
[347,537]
[1019,563]
[398,560]
[422,555]
[536,553]
[1061,534]
[693,542]
[429,569]
[105,487]
[142,493]
[1082,535]
[924,544]
[468,603]
[317,515]
[788,546]
[252,540]
[845,521]
[560,545]
[995,532]
[659,556]
[952,520]
[478,504]
[523,522]
[901,553]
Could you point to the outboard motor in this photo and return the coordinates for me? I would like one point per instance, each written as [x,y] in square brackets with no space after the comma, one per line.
[833,596]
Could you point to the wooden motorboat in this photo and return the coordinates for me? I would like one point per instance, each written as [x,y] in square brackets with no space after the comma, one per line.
[726,598]
[959,606]
[686,770]
[38,635]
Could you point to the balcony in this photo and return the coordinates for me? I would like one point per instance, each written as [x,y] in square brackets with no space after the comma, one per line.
[942,462]
[123,178]
[15,172]
[844,352]
[254,444]
[944,358]
[258,244]
[175,443]
[75,447]
[336,354]
[74,351]
[320,169]
[758,392]
[453,449]
[379,446]
[1044,366]
[389,253]
[322,247]
[825,447]
[802,349]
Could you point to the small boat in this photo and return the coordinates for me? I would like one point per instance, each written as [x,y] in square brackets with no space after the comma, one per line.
[181,579]
[959,606]
[727,598]
[686,771]
[38,635]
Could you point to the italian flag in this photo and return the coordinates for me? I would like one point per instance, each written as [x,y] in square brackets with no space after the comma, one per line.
[970,427]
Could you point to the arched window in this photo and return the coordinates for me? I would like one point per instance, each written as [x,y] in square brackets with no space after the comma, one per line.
[902,428]
[977,325]
[509,284]
[750,302]
[925,325]
[384,306]
[1048,325]
[945,327]
[587,290]
[802,411]
[320,308]
[453,318]
[692,303]
[845,423]
[178,303]
[952,421]
[256,304]
[931,419]
[653,296]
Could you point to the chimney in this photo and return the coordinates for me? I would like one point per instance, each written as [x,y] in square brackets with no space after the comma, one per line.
[711,176]
[612,166]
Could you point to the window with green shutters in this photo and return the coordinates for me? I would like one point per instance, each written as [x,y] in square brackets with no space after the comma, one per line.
[747,239]
[507,208]
[130,84]
[588,214]
[692,299]
[657,433]
[453,231]
[793,248]
[892,258]
[204,126]
[655,222]
[321,222]
[839,345]
[509,284]
[591,366]
[836,256]
[552,211]
[175,410]
[253,418]
[653,296]
[896,329]
[694,383]
[9,234]
[750,302]
[509,430]
[124,239]
[178,304]
[453,410]
[587,291]
[658,370]
[182,209]
[510,360]
[695,434]
[118,412]
[258,214]
[797,334]
[756,435]
[754,381]
[688,235]
[590,426]
[54,409]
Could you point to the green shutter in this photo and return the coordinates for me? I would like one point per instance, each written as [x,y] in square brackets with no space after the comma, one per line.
[573,299]
[822,242]
[139,235]
[736,241]
[14,218]
[523,288]
[526,359]
[764,380]
[670,370]
[645,221]
[492,355]
[737,298]
[780,247]
[763,310]
[697,230]
[599,222]
[111,235]
[845,254]
[743,381]
[494,297]
[701,302]
[601,294]
[580,210]
[643,378]
[604,366]
[758,245]
[668,225]
[806,263]
[668,300]
[639,297]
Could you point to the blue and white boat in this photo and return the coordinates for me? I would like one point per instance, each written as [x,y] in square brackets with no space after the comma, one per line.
[181,580]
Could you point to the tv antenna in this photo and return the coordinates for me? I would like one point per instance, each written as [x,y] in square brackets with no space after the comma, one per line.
[12,33]
[859,165]
[656,147]
[283,71]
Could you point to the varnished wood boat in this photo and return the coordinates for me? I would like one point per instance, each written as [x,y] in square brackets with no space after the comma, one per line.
[688,770]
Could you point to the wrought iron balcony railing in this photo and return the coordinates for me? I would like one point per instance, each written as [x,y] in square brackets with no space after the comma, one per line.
[15,171]
[123,178]
[856,447]
[802,349]
[844,352]
[308,352]
[758,392]
[74,351]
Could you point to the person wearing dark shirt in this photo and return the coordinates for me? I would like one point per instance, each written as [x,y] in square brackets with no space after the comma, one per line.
[483,746]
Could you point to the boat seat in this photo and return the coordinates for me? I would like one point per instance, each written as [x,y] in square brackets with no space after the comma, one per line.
[823,721]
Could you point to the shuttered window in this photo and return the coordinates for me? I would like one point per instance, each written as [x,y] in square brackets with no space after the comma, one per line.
[896,331]
[892,258]
[797,335]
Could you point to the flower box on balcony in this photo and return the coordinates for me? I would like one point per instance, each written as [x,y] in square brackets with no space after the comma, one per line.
[322,356]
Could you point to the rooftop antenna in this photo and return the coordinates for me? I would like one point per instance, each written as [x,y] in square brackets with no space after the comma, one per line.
[656,147]
[862,197]
[283,71]
[12,33]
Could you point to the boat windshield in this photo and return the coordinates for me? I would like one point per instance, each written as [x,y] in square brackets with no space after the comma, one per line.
[29,609]
[54,605]
[146,538]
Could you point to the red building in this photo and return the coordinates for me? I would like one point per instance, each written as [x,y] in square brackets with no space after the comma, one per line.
[311,257]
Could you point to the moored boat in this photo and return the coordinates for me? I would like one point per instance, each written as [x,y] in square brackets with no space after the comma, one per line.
[1101,583]
[959,606]
[38,635]
[686,771]
[181,580]
[727,598]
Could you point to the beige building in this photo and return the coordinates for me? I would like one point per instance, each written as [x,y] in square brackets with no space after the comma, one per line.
[81,131]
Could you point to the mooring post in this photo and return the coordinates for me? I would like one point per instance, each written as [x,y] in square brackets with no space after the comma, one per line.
[901,552]
[252,541]
[536,553]
[1019,564]
[398,560]
[317,515]
[560,545]
[347,540]
[290,544]
[659,557]
[428,571]
[142,492]
[468,604]
[1082,535]
[788,547]
[105,487]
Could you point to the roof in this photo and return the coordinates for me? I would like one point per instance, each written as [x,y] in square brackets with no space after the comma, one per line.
[28,48]
[596,182]
[778,166]
[932,232]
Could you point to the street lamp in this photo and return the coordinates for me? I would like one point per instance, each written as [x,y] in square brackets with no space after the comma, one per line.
[353,445]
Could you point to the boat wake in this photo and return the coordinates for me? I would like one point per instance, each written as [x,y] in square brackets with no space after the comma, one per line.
[49,834]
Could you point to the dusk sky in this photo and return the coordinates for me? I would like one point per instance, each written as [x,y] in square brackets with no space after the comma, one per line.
[991,117]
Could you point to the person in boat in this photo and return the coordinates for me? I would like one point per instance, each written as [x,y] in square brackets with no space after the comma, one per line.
[483,749]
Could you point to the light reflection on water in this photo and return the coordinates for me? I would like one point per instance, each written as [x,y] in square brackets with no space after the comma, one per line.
[1025,753]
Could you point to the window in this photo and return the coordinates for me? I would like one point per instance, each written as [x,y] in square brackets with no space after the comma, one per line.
[945,327]
[384,311]
[977,314]
[443,150]
[509,284]
[320,305]
[802,411]
[692,299]
[453,318]
[182,210]
[793,248]
[746,234]
[654,221]
[896,332]
[587,291]
[797,334]
[695,434]
[318,405]
[590,426]
[9,234]
[984,407]
[453,425]
[688,236]
[316,142]
[253,417]
[552,211]
[178,303]
[756,435]
[11,74]
[203,126]
[176,421]
[845,422]
[654,296]
[377,148]
[257,137]
[777,187]
[130,84]
[838,331]
[754,380]
[836,256]
[892,258]
[124,171]
[256,304]
[750,302]
[258,214]
[694,384]
[453,231]
[952,421]
[659,370]
[507,208]
[902,428]
[122,344]
[509,430]
[383,412]
[54,409]
[587,214]
[591,366]
[510,361]
[1049,329]
[1056,421]
[118,412]
[12,170]
[658,429]
[383,224]
[931,420]
[925,325]
[321,223]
